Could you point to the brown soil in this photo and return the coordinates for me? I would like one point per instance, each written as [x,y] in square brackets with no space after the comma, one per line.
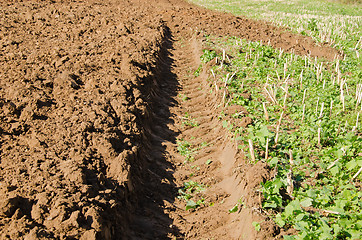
[90,116]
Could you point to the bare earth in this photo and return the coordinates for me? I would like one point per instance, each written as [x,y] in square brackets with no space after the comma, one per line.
[90,115]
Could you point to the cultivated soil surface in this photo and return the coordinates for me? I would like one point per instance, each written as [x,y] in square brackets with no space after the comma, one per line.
[91,111]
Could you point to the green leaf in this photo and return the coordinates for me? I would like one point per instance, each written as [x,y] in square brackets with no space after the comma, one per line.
[334,170]
[301,225]
[240,138]
[336,229]
[191,205]
[234,209]
[208,56]
[336,209]
[312,193]
[262,134]
[306,202]
[359,224]
[351,164]
[339,153]
[344,222]
[277,185]
[287,237]
[356,234]
[256,226]
[300,217]
[341,203]
[326,235]
[269,205]
[274,161]
[279,220]
[359,161]
[291,207]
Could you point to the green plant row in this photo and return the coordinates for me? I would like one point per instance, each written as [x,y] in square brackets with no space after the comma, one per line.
[308,131]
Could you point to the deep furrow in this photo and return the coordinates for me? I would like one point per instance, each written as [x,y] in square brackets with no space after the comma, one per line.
[208,131]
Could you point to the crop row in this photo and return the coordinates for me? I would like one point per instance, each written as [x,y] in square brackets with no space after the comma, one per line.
[306,115]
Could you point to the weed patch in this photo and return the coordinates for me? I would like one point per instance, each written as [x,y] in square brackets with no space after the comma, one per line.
[305,125]
[189,192]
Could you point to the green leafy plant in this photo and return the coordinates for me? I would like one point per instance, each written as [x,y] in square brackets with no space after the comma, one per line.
[256,226]
[198,71]
[188,121]
[193,205]
[189,191]
[184,148]
[308,129]
[234,209]
[184,97]
[312,24]
[237,206]
[313,148]
[207,56]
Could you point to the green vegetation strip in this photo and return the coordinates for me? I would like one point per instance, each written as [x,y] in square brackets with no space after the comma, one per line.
[306,114]
[307,130]
[337,24]
[306,126]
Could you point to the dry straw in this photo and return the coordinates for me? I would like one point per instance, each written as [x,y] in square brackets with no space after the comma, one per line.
[278,128]
[251,149]
[290,185]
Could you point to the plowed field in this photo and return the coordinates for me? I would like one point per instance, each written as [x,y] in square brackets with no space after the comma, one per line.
[90,116]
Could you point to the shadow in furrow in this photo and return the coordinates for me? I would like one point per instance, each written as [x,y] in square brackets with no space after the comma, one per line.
[156,189]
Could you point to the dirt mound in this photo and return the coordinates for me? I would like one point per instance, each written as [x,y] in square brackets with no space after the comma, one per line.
[79,83]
